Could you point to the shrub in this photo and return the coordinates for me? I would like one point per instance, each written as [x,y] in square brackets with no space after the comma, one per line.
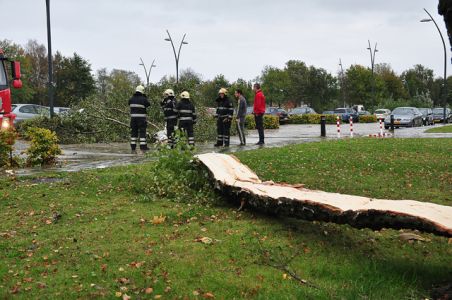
[7,140]
[173,176]
[71,129]
[270,122]
[368,119]
[43,147]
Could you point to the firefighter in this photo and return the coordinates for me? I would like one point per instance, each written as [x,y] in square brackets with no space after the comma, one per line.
[169,110]
[224,113]
[186,117]
[138,123]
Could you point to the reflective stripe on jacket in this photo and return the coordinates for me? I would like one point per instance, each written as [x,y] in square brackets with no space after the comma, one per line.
[138,104]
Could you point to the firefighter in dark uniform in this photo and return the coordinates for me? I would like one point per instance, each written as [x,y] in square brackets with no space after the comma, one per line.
[169,110]
[224,113]
[186,117]
[138,123]
[445,9]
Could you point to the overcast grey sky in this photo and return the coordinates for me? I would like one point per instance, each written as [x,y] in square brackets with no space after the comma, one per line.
[234,38]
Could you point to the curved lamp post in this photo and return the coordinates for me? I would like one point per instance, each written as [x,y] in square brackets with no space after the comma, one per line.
[148,74]
[445,63]
[372,63]
[176,56]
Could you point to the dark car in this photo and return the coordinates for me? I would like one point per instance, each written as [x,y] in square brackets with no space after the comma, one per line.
[427,116]
[438,115]
[276,111]
[346,113]
[301,111]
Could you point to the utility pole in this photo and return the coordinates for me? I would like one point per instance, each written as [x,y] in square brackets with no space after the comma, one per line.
[49,59]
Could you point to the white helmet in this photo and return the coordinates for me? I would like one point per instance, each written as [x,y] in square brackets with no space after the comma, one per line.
[185,95]
[168,93]
[223,91]
[140,89]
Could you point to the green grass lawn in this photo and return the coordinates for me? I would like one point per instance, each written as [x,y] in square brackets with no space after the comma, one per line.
[443,129]
[112,241]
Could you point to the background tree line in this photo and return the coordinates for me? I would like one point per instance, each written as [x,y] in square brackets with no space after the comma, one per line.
[294,85]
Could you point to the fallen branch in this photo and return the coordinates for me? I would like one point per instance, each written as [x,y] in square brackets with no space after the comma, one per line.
[283,264]
[126,113]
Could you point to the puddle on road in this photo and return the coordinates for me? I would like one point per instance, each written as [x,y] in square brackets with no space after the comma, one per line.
[99,156]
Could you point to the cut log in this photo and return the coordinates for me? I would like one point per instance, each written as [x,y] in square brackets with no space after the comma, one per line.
[238,181]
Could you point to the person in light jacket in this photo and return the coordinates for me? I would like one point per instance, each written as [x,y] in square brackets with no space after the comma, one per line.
[241,114]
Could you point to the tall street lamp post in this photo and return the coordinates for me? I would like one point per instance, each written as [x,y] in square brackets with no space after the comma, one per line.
[176,56]
[445,64]
[148,74]
[49,59]
[342,81]
[372,63]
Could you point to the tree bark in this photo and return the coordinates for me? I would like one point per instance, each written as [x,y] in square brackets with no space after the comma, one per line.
[241,184]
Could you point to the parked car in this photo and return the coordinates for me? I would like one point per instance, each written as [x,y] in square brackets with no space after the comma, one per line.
[345,114]
[364,113]
[427,116]
[438,115]
[29,111]
[404,116]
[276,111]
[249,110]
[301,111]
[382,113]
[328,112]
[61,110]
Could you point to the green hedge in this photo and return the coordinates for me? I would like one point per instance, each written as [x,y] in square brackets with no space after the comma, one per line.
[270,122]
[311,119]
[368,119]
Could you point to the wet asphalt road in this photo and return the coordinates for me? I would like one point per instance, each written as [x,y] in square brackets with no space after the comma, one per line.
[91,156]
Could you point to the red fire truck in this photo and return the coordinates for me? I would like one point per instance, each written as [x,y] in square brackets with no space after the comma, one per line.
[6,116]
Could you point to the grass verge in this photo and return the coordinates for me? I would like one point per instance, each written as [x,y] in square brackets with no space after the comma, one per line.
[442,129]
[158,231]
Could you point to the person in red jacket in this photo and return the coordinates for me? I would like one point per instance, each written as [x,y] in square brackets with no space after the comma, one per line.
[258,111]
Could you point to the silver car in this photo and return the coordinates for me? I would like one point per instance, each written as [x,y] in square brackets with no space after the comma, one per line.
[382,113]
[404,116]
[29,111]
[302,111]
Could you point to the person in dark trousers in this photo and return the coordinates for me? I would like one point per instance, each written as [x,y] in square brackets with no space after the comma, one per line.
[186,117]
[168,105]
[138,123]
[240,117]
[224,113]
[258,111]
[445,10]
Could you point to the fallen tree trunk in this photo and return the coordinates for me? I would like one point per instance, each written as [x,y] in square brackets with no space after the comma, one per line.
[237,180]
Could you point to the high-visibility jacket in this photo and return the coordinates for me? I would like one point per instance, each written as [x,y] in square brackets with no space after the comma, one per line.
[225,108]
[169,108]
[138,104]
[185,111]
